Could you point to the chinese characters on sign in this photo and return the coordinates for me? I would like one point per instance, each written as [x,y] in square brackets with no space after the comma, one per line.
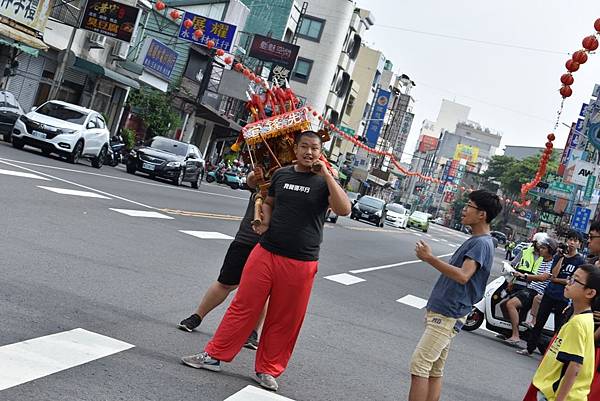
[31,14]
[382,98]
[273,50]
[158,58]
[109,18]
[581,218]
[280,75]
[219,32]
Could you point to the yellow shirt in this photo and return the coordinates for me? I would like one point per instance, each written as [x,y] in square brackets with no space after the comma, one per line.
[574,343]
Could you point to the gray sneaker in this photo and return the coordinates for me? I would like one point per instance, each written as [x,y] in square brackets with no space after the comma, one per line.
[267,381]
[252,341]
[202,361]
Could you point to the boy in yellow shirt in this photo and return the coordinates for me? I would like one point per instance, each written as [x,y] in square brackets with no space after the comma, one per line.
[567,369]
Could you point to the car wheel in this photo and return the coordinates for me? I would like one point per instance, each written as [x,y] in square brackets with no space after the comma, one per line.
[98,161]
[177,181]
[17,143]
[234,185]
[6,137]
[130,168]
[196,184]
[73,158]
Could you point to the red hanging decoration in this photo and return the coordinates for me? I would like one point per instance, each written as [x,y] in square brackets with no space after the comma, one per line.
[549,145]
[580,56]
[175,14]
[590,43]
[551,137]
[572,66]
[315,113]
[566,91]
[246,72]
[597,25]
[567,79]
[228,60]
[198,34]
[257,80]
[220,52]
[160,5]
[210,44]
[188,23]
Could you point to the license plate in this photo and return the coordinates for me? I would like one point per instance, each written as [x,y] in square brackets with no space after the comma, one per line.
[148,166]
[38,134]
[364,215]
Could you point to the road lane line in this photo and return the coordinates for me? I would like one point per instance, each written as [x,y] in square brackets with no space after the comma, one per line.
[345,278]
[39,357]
[154,184]
[73,192]
[142,213]
[206,234]
[79,185]
[251,393]
[413,301]
[23,175]
[408,262]
[434,239]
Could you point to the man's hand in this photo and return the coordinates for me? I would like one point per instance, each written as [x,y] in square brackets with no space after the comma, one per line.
[545,276]
[320,168]
[260,229]
[423,251]
[518,275]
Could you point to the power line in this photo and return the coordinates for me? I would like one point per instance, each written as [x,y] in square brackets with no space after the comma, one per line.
[464,39]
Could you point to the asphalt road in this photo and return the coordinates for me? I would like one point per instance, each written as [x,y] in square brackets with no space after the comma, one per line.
[72,262]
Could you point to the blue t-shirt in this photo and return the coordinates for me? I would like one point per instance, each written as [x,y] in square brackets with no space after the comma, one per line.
[452,299]
[569,265]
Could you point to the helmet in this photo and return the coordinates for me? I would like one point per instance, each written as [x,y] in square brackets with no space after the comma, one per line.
[549,242]
[539,237]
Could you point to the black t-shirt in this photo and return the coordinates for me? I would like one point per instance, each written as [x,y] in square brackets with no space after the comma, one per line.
[296,228]
[246,234]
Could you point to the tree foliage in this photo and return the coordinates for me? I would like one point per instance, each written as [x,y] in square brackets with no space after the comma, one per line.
[512,173]
[156,111]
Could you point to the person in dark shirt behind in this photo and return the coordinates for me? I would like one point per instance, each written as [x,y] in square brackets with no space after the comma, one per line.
[282,266]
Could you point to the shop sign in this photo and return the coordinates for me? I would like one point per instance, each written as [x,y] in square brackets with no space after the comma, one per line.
[110,18]
[158,58]
[31,14]
[221,33]
[273,50]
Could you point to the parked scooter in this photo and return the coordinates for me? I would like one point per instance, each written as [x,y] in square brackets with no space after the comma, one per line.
[490,310]
[114,154]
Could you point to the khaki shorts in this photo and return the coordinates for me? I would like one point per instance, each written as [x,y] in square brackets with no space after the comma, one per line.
[430,355]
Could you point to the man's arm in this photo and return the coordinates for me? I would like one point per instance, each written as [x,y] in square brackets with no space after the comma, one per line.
[534,277]
[568,381]
[556,270]
[267,212]
[338,200]
[461,275]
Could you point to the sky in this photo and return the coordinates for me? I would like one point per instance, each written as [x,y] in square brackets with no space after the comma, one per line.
[509,89]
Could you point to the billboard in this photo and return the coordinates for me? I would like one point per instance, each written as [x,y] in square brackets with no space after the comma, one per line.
[428,143]
[110,18]
[158,58]
[221,33]
[382,98]
[30,14]
[581,173]
[274,51]
[466,152]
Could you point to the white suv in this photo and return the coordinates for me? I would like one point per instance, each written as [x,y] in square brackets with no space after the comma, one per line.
[66,129]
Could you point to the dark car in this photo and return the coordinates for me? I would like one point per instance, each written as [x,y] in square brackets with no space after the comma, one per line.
[369,208]
[10,111]
[167,158]
[500,236]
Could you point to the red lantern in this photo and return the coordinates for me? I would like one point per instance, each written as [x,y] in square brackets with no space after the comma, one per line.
[320,118]
[220,52]
[238,66]
[597,25]
[572,66]
[257,80]
[315,113]
[188,23]
[549,145]
[566,91]
[580,56]
[246,72]
[590,43]
[331,126]
[174,14]
[210,44]
[198,34]
[228,60]
[551,137]
[160,5]
[567,79]
[252,76]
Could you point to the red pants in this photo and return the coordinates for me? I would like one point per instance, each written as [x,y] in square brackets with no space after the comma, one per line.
[594,394]
[288,283]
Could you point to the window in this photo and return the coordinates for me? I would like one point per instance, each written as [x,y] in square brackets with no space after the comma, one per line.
[302,70]
[350,105]
[100,122]
[311,28]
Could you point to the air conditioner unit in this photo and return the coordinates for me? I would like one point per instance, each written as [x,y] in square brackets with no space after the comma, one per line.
[120,50]
[97,41]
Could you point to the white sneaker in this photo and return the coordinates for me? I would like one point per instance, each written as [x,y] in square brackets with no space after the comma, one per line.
[267,381]
[202,361]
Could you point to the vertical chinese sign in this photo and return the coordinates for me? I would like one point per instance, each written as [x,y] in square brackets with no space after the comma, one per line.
[221,33]
[382,98]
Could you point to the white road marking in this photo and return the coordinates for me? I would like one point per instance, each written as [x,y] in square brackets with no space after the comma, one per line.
[78,185]
[21,174]
[206,234]
[142,213]
[154,184]
[418,235]
[32,359]
[345,278]
[453,245]
[74,192]
[444,240]
[413,301]
[251,393]
[435,240]
[370,269]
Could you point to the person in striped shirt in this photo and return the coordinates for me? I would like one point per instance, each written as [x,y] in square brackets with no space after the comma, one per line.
[537,284]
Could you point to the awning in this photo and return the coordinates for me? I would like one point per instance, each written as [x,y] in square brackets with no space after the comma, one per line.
[26,43]
[97,69]
[209,113]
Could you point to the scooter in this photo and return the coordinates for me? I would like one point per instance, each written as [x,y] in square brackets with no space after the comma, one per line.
[113,156]
[489,309]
